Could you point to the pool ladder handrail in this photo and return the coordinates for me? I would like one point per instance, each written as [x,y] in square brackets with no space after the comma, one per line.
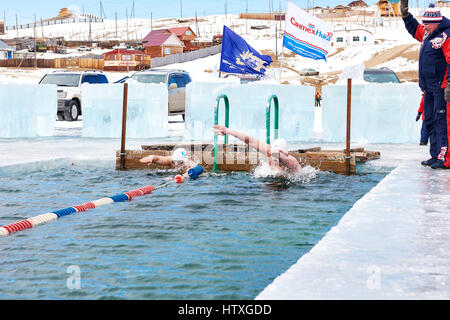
[216,122]
[276,117]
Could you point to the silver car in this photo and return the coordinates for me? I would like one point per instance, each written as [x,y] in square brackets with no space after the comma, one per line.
[176,81]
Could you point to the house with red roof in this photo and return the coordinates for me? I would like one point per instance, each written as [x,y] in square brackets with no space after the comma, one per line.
[125,60]
[163,42]
[187,35]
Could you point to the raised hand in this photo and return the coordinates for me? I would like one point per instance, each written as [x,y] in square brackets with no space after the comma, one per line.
[404,8]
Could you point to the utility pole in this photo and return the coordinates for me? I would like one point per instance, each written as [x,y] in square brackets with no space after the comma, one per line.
[246,16]
[116,23]
[42,28]
[102,11]
[17,26]
[90,28]
[151,21]
[181,8]
[126,13]
[34,31]
[276,41]
[196,23]
[225,9]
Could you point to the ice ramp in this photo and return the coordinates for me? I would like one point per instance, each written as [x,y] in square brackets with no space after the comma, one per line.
[392,244]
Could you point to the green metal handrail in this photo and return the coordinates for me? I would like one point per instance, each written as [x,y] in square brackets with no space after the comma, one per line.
[216,122]
[276,120]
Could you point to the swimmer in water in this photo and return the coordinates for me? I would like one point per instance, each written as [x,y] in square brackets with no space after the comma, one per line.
[277,152]
[178,160]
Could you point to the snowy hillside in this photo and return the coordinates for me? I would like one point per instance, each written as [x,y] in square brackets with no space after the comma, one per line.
[393,47]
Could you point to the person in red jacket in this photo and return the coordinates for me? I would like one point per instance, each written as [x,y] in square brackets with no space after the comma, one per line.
[423,132]
[317,100]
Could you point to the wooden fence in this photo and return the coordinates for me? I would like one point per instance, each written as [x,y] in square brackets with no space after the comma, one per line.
[184,57]
[85,63]
[98,64]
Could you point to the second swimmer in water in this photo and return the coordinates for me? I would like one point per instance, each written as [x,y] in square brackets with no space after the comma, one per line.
[178,160]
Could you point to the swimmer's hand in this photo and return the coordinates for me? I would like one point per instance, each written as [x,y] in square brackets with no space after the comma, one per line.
[220,130]
[148,160]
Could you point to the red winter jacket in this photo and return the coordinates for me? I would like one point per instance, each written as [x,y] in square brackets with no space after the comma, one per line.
[421,107]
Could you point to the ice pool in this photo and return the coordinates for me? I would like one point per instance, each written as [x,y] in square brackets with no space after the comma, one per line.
[224,236]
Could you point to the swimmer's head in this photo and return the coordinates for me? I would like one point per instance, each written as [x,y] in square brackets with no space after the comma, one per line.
[179,157]
[279,145]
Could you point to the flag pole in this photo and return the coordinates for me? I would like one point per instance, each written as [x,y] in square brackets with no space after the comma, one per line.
[282,42]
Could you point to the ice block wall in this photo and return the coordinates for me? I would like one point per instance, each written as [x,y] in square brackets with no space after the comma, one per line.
[27,110]
[381,113]
[248,104]
[147,112]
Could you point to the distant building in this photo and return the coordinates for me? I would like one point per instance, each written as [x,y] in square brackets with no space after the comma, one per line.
[341,9]
[358,3]
[163,42]
[319,10]
[6,52]
[387,8]
[354,37]
[277,16]
[2,27]
[442,3]
[125,60]
[187,36]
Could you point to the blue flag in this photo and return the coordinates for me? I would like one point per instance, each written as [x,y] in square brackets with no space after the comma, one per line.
[239,57]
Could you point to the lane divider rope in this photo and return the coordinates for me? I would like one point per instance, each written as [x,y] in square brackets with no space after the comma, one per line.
[192,173]
[55,215]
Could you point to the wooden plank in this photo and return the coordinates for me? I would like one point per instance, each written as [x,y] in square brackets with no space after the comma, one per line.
[243,161]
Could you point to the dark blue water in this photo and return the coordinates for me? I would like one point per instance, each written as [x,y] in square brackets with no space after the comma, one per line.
[219,237]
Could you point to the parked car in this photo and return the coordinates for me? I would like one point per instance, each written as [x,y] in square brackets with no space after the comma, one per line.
[244,78]
[309,72]
[380,75]
[69,90]
[83,48]
[176,81]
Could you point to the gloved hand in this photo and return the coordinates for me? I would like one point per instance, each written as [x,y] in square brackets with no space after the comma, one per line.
[404,8]
[447,92]
[418,116]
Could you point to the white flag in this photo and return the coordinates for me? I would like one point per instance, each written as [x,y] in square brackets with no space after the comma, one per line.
[305,34]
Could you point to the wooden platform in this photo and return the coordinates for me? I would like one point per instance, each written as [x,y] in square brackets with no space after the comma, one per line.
[238,157]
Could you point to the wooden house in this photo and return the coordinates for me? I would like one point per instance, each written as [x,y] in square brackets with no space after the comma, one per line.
[163,42]
[387,8]
[442,4]
[341,9]
[358,4]
[125,60]
[187,36]
[2,27]
[6,52]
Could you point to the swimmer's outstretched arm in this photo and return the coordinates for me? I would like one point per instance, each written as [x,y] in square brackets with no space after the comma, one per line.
[260,146]
[160,160]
